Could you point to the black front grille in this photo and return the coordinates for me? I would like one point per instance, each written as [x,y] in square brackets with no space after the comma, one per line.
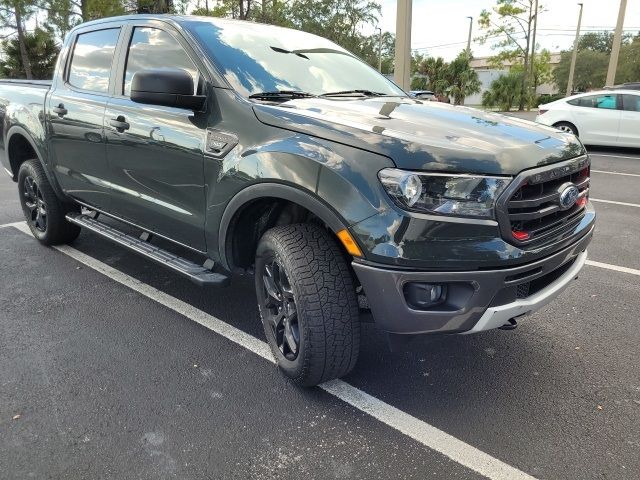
[533,213]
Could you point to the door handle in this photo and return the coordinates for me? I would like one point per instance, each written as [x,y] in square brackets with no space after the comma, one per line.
[119,123]
[60,110]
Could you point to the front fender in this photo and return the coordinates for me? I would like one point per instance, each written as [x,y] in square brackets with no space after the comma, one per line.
[335,182]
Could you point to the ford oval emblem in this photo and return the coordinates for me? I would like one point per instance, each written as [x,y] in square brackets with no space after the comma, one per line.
[568,197]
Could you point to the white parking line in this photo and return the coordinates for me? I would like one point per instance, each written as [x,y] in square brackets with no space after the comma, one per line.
[608,266]
[616,173]
[615,203]
[422,432]
[14,224]
[613,156]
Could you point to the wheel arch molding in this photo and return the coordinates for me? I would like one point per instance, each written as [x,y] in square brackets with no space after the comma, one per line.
[37,147]
[277,191]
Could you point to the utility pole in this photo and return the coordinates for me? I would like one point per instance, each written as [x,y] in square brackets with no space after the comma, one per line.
[615,51]
[469,39]
[575,54]
[533,51]
[402,70]
[379,49]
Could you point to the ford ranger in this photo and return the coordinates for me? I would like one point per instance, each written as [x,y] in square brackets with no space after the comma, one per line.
[258,149]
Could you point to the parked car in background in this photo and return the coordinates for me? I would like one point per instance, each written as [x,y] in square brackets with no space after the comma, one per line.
[423,94]
[605,117]
[625,86]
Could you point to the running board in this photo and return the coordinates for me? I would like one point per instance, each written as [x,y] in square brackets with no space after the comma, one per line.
[199,274]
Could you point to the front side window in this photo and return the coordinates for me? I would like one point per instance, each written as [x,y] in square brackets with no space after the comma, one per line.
[91,60]
[258,58]
[631,103]
[152,48]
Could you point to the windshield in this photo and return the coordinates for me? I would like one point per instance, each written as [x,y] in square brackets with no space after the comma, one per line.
[257,58]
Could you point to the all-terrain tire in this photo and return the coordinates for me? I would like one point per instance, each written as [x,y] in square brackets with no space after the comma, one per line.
[318,277]
[44,211]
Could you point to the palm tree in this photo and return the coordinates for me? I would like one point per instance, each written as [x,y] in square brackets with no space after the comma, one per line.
[504,92]
[435,71]
[462,79]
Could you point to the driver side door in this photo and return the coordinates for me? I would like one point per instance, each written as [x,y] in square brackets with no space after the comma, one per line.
[155,153]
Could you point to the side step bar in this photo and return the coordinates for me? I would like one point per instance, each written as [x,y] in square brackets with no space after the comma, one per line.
[199,274]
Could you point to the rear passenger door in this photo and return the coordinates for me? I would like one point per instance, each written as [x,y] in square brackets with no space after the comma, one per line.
[76,106]
[629,135]
[157,162]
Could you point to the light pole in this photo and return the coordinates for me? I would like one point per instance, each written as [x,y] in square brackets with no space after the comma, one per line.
[402,70]
[533,51]
[615,51]
[379,49]
[469,39]
[575,54]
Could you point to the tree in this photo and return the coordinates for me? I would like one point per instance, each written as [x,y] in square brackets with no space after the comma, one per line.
[340,21]
[504,92]
[590,72]
[462,79]
[600,41]
[42,51]
[369,51]
[13,15]
[629,62]
[61,16]
[435,71]
[509,25]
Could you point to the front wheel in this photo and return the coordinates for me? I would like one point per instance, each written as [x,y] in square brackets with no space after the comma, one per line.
[44,212]
[307,303]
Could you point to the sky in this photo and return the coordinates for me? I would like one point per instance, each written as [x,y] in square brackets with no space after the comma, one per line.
[440,27]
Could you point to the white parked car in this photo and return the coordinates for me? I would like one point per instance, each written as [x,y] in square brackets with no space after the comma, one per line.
[607,117]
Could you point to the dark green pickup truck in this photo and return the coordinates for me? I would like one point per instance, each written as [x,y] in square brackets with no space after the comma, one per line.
[275,152]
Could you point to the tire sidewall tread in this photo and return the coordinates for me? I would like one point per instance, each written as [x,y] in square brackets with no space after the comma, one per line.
[58,230]
[328,313]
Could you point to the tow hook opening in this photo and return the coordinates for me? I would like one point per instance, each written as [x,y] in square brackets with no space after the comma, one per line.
[511,324]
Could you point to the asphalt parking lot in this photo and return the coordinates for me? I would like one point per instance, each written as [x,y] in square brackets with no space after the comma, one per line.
[112,367]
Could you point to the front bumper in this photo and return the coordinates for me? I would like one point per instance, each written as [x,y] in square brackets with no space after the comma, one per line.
[476,300]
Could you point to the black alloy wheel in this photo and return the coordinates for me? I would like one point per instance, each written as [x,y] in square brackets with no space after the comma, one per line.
[280,308]
[35,203]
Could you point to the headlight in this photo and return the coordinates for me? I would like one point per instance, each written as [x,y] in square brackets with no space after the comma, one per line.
[444,193]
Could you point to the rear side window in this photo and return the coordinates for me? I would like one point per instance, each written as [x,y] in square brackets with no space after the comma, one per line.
[152,48]
[92,58]
[631,103]
[608,102]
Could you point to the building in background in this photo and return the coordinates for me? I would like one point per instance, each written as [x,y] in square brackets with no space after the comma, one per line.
[487,75]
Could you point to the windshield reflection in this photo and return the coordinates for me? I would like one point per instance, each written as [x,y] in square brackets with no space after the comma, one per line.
[258,58]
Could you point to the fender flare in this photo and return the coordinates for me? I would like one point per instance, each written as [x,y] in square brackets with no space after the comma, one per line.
[273,190]
[18,130]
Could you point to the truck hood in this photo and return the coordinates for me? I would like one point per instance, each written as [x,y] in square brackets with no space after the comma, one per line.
[426,136]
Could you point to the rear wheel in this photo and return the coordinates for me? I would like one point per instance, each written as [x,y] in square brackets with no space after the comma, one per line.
[43,210]
[307,303]
[566,127]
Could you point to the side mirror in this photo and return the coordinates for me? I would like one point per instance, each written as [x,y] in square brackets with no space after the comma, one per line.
[169,88]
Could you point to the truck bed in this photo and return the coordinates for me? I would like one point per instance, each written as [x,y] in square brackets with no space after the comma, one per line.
[31,83]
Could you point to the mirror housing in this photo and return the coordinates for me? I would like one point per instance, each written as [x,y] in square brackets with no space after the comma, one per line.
[166,87]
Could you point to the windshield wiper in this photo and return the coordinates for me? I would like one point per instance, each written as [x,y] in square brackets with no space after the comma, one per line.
[281,95]
[365,93]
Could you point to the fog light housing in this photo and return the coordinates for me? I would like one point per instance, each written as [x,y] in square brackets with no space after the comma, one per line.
[421,296]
